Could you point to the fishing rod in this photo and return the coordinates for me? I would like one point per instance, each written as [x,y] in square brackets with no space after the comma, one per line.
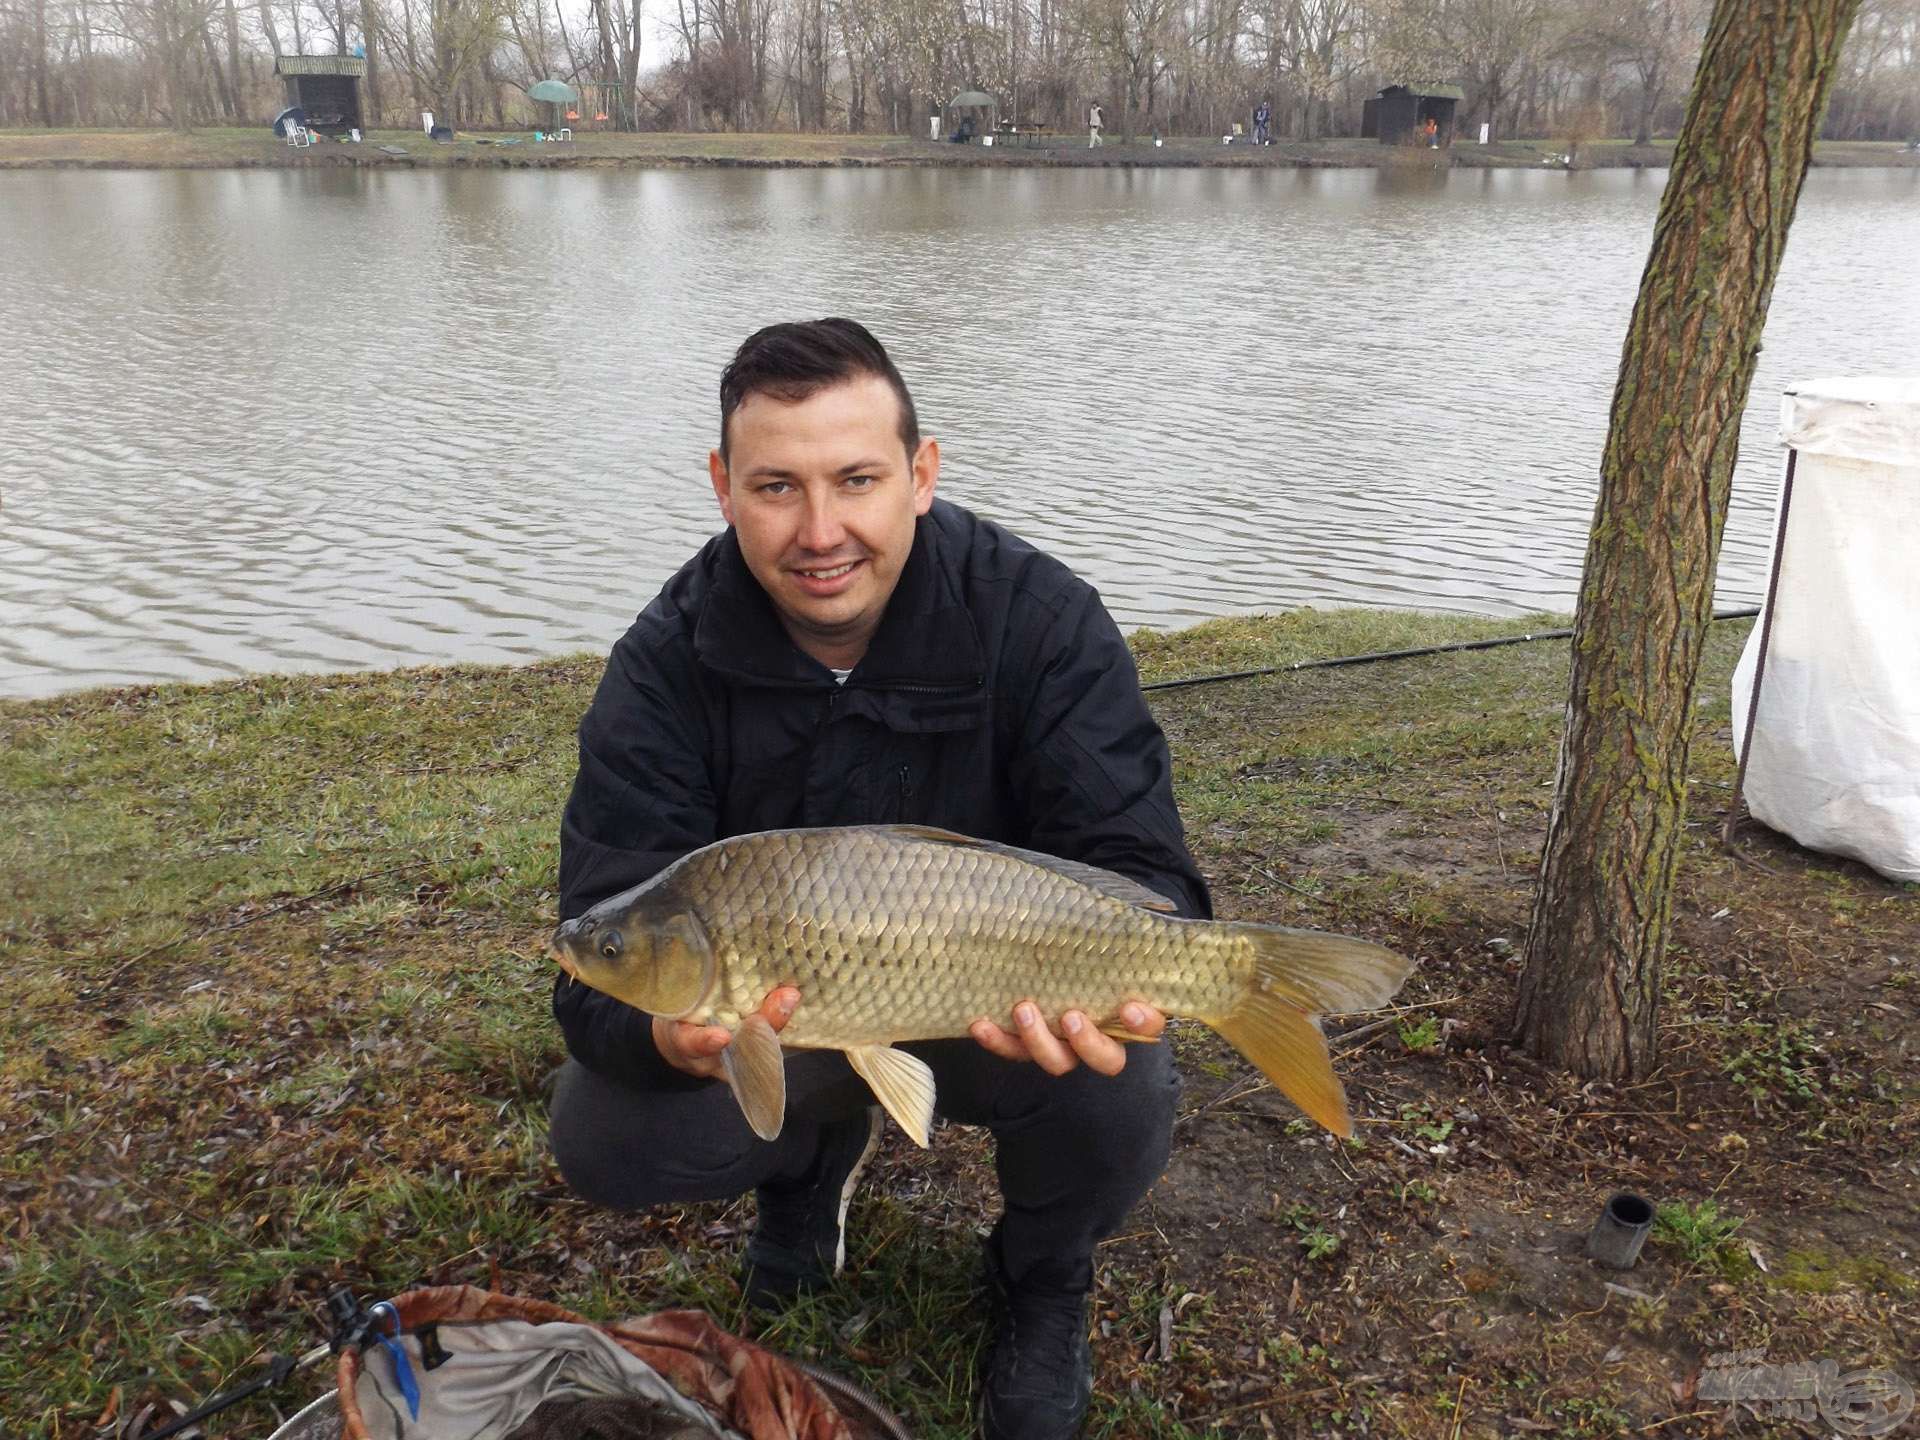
[1377,655]
[355,1327]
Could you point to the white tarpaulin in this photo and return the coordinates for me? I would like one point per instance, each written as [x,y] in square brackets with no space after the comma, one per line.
[1835,757]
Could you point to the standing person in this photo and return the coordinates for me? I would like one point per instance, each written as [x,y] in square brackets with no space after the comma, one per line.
[851,650]
[1262,120]
[1094,123]
[1433,133]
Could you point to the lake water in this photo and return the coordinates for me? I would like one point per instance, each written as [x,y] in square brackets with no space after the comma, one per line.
[292,420]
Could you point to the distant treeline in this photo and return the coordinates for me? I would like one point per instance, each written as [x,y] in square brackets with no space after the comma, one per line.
[1580,68]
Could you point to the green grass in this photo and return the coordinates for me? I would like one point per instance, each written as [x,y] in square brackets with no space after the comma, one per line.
[278,1012]
[1704,1237]
[1778,1062]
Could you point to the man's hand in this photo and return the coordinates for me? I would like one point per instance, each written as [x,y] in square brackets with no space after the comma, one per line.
[1084,1042]
[696,1048]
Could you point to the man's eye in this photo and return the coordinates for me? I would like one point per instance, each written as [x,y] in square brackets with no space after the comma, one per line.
[860,482]
[775,487]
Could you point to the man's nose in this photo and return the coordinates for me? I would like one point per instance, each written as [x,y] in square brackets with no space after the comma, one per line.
[820,526]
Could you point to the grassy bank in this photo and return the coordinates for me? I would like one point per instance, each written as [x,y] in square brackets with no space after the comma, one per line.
[255,146]
[277,1021]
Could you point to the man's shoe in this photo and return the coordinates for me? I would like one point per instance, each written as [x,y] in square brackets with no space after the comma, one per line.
[1039,1375]
[799,1242]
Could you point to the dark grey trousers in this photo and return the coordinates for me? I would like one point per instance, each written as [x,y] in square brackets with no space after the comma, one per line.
[1073,1152]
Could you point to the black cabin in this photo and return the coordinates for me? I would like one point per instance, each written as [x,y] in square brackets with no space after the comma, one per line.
[326,88]
[1398,115]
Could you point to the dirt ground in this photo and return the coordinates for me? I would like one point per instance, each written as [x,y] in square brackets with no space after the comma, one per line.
[212,1118]
[1429,1278]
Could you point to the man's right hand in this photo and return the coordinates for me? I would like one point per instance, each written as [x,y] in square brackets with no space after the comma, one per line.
[695,1049]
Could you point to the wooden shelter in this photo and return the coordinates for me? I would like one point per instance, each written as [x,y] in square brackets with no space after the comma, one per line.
[326,88]
[1398,115]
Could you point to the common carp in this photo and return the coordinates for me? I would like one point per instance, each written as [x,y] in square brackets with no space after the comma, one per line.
[897,933]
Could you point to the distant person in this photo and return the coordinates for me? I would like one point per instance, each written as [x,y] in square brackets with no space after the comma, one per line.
[1094,123]
[1433,133]
[1262,123]
[964,134]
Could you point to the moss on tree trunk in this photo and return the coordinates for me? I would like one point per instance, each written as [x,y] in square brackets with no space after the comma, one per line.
[1590,988]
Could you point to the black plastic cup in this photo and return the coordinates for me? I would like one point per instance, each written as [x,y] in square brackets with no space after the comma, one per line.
[1621,1230]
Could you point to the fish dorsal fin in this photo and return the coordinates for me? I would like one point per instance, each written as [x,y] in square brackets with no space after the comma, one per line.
[1107,882]
[901,1082]
[757,1074]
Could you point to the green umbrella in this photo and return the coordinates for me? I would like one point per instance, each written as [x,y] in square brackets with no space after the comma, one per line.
[972,100]
[557,92]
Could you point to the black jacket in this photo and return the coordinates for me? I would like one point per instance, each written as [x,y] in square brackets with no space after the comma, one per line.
[996,699]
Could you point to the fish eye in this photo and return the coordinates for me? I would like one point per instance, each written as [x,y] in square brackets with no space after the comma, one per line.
[611,944]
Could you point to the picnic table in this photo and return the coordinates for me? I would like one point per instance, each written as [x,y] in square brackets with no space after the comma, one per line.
[1008,134]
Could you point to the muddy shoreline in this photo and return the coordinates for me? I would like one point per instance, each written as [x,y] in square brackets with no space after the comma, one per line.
[385,150]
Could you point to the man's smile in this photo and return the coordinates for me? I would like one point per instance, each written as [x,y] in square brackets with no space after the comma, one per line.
[824,582]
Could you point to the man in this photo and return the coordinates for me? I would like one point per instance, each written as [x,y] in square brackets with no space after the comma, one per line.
[1094,122]
[851,651]
[1262,121]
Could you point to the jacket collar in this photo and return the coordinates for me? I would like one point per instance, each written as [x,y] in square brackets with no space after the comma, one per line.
[926,638]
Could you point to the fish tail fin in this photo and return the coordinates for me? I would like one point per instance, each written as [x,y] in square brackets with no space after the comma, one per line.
[1296,975]
[1287,1047]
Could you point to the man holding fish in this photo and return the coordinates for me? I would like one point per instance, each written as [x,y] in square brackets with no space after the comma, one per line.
[873,779]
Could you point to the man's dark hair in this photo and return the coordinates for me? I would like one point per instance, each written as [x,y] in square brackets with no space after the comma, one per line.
[794,360]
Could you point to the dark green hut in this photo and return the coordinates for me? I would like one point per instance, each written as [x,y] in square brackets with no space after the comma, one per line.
[326,88]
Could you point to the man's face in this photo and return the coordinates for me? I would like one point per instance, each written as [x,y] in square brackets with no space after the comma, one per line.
[822,497]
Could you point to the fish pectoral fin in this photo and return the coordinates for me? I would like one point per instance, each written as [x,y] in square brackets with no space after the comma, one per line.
[1119,1031]
[1285,1045]
[900,1082]
[757,1074]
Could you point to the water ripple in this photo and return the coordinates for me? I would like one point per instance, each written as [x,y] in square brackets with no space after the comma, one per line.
[315,420]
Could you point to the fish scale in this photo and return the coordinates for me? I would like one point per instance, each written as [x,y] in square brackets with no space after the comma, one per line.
[896,933]
[871,935]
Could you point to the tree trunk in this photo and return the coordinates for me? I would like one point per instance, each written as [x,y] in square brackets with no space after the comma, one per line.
[228,105]
[234,73]
[1652,88]
[370,36]
[1590,987]
[39,64]
[83,84]
[267,26]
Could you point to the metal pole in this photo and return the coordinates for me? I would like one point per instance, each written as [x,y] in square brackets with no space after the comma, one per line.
[1760,660]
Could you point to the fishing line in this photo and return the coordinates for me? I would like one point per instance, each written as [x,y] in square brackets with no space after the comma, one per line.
[1378,655]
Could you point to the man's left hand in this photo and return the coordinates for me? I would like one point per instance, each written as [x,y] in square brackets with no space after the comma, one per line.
[1080,1041]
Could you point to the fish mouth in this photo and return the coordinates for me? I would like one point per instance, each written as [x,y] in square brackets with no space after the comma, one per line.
[557,952]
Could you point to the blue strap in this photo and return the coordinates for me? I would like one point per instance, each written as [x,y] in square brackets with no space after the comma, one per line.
[402,1367]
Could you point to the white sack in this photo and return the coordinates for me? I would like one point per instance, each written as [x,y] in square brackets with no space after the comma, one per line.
[1836,746]
[500,1373]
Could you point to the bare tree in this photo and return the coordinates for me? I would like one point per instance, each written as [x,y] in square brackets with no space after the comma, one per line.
[1877,93]
[1129,38]
[171,34]
[1590,990]
[446,43]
